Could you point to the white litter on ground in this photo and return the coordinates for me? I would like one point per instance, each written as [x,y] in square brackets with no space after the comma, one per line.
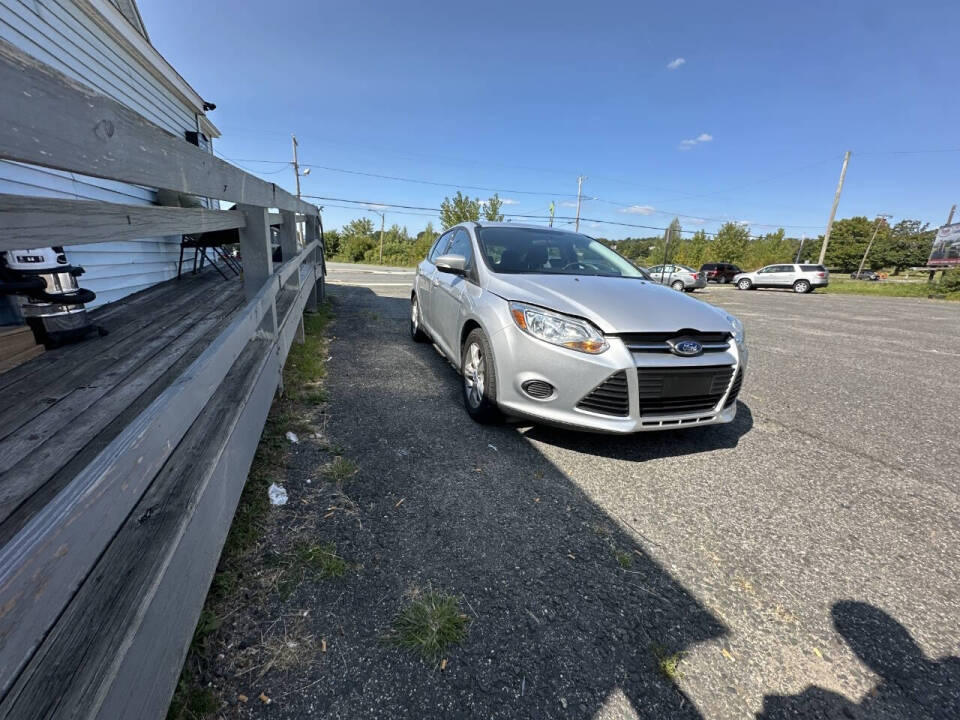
[492,447]
[292,437]
[278,496]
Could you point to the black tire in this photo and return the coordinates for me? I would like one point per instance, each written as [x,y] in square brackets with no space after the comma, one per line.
[479,379]
[416,332]
[677,285]
[802,286]
[724,280]
[744,284]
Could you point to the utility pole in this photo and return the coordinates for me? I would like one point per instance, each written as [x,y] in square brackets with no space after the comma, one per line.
[953,209]
[803,237]
[580,179]
[876,229]
[833,210]
[296,166]
[383,216]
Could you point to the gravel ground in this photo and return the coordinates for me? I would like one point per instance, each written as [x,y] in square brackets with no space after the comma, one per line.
[803,560]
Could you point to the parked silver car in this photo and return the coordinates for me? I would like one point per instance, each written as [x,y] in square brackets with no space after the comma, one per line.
[799,278]
[679,277]
[554,326]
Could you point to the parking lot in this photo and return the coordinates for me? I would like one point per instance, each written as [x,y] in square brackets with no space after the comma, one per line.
[801,561]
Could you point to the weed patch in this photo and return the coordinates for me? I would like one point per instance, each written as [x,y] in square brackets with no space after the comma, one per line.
[340,469]
[668,665]
[430,624]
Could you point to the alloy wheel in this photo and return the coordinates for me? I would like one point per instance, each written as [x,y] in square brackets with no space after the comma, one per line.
[473,375]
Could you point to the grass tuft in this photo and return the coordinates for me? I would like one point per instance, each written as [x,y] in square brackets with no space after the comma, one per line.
[318,562]
[191,703]
[340,469]
[668,665]
[624,559]
[431,623]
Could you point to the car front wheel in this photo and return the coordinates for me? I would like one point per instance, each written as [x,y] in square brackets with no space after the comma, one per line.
[416,332]
[801,286]
[479,378]
[744,284]
[677,285]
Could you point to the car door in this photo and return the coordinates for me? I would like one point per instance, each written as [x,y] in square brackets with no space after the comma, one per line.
[447,294]
[426,274]
[766,276]
[656,272]
[785,275]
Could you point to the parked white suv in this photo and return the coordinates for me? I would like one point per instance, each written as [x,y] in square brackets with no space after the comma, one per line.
[799,278]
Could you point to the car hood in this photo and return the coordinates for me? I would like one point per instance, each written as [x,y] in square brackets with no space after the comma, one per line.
[613,304]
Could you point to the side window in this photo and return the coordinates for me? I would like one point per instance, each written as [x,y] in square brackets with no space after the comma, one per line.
[785,268]
[769,269]
[461,245]
[439,246]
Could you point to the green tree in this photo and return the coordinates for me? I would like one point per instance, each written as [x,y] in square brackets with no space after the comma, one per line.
[694,251]
[730,243]
[848,241]
[770,248]
[458,209]
[331,243]
[491,210]
[907,244]
[357,239]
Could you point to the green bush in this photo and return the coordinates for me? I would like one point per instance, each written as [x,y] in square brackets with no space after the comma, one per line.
[950,282]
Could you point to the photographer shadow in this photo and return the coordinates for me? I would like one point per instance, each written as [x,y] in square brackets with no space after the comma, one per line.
[911,685]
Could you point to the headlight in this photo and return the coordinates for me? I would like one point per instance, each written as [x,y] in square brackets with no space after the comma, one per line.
[739,334]
[558,329]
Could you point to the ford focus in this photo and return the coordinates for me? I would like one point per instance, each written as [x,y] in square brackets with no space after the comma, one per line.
[553,326]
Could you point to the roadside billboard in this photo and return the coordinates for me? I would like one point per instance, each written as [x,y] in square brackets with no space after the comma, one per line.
[946,246]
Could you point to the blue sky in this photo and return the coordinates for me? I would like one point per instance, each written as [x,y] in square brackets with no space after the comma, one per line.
[525,96]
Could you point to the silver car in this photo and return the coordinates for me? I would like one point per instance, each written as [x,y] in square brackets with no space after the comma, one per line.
[679,277]
[801,278]
[554,326]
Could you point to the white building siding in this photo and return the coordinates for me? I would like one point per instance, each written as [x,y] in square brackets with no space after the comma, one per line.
[58,33]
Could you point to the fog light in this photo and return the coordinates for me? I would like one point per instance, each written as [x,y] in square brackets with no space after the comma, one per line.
[538,389]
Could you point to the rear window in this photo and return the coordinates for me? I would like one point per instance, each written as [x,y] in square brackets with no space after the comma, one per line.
[813,268]
[709,266]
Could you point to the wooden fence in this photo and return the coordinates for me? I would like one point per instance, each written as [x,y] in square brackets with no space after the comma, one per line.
[100,590]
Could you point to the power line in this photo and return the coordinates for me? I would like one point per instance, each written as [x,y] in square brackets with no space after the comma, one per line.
[566,218]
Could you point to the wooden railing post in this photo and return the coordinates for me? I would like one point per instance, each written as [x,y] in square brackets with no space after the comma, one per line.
[257,258]
[312,232]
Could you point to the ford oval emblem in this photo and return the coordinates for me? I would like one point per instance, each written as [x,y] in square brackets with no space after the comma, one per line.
[687,348]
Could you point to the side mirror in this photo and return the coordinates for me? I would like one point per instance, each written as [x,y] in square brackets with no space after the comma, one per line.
[453,264]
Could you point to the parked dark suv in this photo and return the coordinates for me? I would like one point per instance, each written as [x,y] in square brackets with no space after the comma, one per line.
[719,272]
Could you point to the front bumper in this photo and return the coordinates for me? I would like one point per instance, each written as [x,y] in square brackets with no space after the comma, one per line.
[520,359]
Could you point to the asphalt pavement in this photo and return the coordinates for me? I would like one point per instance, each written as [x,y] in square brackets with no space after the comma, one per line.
[803,561]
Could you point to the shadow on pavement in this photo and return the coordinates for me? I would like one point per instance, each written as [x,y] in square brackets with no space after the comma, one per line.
[911,685]
[570,615]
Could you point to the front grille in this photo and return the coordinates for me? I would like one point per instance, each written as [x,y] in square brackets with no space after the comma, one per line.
[609,397]
[683,389]
[656,342]
[735,389]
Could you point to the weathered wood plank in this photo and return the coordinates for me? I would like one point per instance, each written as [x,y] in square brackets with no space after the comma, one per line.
[42,566]
[91,365]
[51,120]
[19,357]
[78,661]
[27,222]
[121,318]
[64,476]
[35,453]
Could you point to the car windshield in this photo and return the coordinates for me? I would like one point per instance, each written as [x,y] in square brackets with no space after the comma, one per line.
[549,252]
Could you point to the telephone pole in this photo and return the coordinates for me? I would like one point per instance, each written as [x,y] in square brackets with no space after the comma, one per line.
[296,166]
[580,180]
[383,216]
[833,210]
[876,229]
[803,239]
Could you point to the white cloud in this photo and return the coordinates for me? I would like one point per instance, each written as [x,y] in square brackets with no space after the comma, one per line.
[674,64]
[701,138]
[509,201]
[568,203]
[637,210]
